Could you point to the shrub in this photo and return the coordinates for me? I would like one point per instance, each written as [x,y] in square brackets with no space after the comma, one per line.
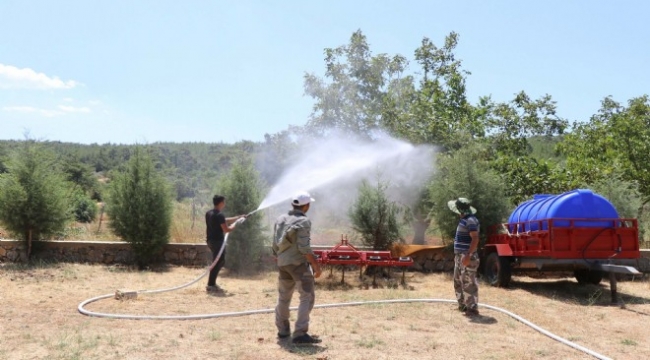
[375,217]
[84,208]
[463,174]
[140,209]
[242,188]
[33,196]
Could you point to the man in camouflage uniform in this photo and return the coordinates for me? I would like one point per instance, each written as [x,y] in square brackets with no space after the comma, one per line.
[466,259]
[297,267]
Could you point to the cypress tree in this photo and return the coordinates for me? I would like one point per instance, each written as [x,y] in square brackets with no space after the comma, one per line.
[139,208]
[34,196]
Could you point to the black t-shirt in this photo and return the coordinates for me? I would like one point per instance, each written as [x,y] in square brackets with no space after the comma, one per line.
[213,220]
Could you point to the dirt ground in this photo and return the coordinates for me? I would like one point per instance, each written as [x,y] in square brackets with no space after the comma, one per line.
[39,318]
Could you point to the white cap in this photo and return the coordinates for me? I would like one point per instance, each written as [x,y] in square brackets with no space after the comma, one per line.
[301,198]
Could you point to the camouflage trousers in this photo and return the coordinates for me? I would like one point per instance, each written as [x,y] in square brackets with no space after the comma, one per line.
[465,281]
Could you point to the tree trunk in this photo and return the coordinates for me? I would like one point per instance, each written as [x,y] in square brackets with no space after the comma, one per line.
[29,244]
[420,228]
[193,213]
[638,216]
[101,217]
[639,211]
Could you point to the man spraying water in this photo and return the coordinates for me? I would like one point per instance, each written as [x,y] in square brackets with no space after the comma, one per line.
[217,225]
[297,267]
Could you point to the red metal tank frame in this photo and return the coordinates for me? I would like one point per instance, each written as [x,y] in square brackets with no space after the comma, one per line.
[571,240]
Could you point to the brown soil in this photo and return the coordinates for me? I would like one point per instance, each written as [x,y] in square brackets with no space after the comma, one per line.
[39,318]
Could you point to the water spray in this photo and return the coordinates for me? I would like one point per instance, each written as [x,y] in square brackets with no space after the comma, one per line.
[351,158]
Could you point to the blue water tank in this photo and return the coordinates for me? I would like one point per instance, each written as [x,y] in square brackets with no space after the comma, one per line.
[576,204]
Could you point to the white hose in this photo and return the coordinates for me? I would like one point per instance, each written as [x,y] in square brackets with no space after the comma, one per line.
[321,306]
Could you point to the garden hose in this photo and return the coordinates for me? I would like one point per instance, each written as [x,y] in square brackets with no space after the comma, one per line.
[83,311]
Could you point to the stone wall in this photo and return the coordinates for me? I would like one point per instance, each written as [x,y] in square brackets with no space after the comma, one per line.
[433,261]
[99,252]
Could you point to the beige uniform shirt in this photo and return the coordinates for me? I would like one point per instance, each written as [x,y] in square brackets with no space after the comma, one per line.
[292,239]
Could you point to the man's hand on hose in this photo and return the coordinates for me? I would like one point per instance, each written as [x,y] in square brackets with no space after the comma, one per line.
[315,267]
[317,271]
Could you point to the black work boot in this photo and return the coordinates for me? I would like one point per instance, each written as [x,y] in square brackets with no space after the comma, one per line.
[306,339]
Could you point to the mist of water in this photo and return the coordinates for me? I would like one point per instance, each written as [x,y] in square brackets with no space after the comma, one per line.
[334,166]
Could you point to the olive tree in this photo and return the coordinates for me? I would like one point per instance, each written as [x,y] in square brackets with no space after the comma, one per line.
[465,174]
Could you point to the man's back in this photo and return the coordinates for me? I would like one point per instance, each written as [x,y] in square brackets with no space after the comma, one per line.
[292,238]
[213,220]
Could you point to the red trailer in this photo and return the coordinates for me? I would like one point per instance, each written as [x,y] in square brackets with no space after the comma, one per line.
[589,247]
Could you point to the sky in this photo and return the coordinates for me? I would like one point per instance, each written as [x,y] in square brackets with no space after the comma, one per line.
[224,71]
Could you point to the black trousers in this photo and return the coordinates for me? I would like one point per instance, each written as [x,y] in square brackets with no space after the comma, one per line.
[215,246]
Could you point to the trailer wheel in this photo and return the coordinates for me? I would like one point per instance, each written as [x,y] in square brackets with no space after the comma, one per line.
[586,276]
[497,270]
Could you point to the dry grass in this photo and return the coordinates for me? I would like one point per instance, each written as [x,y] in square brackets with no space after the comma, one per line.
[40,319]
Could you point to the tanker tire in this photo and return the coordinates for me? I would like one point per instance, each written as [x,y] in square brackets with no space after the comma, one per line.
[498,271]
[586,276]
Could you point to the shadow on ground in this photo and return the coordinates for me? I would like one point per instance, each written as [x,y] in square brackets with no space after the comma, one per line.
[303,349]
[571,291]
[483,319]
[123,268]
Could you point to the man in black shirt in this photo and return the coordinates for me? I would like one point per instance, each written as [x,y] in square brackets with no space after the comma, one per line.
[217,225]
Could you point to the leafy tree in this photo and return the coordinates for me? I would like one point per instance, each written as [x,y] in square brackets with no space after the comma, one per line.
[422,214]
[140,209]
[83,207]
[81,176]
[616,141]
[375,217]
[34,197]
[243,191]
[512,124]
[437,111]
[3,159]
[465,174]
[352,100]
[510,127]
[622,194]
[526,176]
[184,188]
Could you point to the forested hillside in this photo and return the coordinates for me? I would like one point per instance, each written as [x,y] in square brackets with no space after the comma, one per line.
[189,167]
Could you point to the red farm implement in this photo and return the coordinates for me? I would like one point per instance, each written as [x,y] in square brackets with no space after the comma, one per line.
[589,247]
[346,254]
